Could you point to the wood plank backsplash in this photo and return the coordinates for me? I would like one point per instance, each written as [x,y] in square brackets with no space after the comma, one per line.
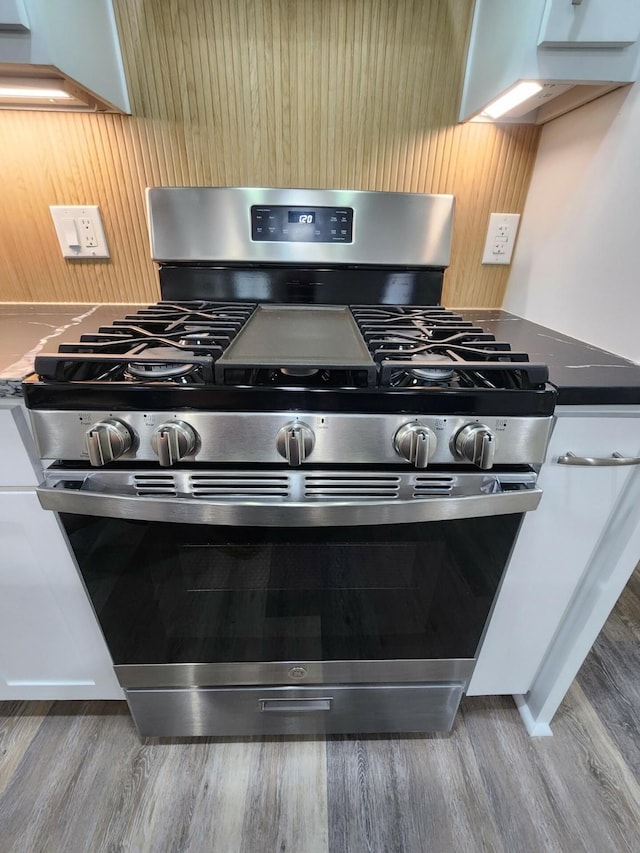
[358,94]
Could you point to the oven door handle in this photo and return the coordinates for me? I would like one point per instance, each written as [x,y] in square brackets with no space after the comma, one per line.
[62,498]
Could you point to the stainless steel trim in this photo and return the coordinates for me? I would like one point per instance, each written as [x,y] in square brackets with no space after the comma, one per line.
[312,484]
[214,224]
[221,711]
[227,437]
[298,705]
[601,462]
[62,498]
[194,675]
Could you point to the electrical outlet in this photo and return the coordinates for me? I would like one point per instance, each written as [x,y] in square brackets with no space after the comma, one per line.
[80,231]
[501,237]
[88,237]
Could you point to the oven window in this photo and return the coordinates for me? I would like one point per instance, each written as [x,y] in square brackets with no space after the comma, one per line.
[179,593]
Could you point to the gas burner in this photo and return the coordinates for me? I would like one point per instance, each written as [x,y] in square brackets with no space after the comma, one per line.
[431,367]
[195,339]
[164,369]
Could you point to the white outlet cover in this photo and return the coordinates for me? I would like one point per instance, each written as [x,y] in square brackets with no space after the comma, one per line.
[80,231]
[501,238]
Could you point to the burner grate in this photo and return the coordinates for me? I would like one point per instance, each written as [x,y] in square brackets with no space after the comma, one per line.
[174,342]
[435,348]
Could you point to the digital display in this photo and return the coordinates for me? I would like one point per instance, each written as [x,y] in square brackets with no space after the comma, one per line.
[302,217]
[281,223]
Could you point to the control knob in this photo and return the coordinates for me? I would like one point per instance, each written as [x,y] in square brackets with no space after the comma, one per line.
[477,444]
[295,442]
[416,443]
[173,441]
[107,440]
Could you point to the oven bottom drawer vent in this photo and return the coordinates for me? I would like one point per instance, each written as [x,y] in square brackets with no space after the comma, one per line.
[326,709]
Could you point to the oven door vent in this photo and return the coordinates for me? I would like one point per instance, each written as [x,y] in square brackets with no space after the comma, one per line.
[150,485]
[426,485]
[352,487]
[234,487]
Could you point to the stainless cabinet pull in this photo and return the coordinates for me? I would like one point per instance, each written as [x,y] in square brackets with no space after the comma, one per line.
[298,706]
[615,459]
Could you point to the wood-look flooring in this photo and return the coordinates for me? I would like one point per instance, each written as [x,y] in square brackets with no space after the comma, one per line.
[75,778]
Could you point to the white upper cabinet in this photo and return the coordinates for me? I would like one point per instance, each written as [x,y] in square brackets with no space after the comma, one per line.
[61,55]
[585,23]
[574,51]
[13,16]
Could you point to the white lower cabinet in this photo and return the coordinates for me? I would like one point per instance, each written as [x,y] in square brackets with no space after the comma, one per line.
[18,459]
[50,643]
[555,546]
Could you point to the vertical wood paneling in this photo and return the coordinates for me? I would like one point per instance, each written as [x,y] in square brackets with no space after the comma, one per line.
[360,94]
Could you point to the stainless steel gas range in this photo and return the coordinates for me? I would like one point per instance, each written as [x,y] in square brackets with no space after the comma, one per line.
[293,485]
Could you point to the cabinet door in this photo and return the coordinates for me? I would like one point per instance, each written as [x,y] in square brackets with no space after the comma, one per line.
[17,451]
[50,643]
[553,550]
[590,23]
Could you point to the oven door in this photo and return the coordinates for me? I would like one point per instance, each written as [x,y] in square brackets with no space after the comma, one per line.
[190,610]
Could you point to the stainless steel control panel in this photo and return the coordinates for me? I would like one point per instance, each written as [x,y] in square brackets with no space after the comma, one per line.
[294,438]
[221,224]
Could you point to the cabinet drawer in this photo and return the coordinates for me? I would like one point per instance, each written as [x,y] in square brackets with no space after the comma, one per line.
[326,709]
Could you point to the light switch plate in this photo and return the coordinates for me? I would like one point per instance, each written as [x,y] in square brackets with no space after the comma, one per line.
[501,237]
[80,231]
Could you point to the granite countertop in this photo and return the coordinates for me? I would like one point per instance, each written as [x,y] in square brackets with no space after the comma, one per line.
[581,373]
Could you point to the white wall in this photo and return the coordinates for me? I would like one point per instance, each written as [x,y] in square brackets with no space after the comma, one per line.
[577,262]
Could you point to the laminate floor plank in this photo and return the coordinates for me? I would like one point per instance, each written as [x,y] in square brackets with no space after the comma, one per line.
[286,800]
[60,793]
[596,791]
[400,794]
[88,783]
[572,792]
[19,724]
[525,817]
[610,681]
[623,625]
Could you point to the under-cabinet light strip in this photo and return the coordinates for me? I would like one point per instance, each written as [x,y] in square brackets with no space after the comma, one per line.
[23,92]
[517,95]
